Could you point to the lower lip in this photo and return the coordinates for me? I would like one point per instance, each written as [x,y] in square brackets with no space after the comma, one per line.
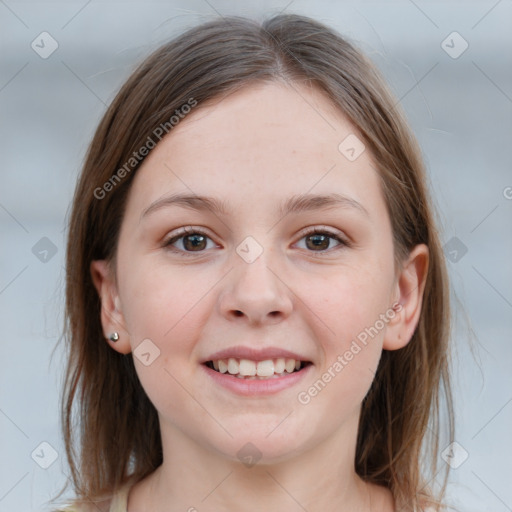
[253,387]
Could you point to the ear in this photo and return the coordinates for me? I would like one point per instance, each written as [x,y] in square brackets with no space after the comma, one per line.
[408,293]
[112,319]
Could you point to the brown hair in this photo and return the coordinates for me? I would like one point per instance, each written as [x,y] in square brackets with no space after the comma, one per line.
[118,427]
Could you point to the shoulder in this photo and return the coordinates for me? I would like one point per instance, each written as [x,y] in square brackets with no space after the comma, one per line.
[103,506]
[117,502]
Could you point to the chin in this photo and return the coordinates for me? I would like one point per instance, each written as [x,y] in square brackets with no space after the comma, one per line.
[256,446]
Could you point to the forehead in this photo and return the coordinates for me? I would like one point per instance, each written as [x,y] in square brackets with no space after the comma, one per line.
[287,119]
[268,140]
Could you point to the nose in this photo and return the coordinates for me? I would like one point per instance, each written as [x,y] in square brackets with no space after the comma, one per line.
[256,293]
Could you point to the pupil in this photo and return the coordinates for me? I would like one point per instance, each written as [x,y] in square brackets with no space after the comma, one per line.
[196,241]
[319,241]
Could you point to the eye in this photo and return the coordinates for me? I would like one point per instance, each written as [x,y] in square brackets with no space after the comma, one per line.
[320,240]
[190,240]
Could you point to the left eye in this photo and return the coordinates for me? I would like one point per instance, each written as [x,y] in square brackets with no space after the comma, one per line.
[320,241]
[197,241]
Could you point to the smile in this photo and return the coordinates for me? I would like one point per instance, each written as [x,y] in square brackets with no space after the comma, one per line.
[253,378]
[251,370]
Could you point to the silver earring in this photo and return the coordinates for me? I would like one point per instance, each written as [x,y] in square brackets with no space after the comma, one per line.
[114,337]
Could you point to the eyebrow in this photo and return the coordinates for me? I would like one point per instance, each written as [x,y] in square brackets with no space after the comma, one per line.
[295,204]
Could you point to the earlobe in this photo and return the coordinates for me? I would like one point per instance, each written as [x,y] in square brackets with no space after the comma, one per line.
[112,319]
[409,290]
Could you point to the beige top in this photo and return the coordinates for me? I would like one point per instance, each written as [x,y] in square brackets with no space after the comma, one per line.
[119,501]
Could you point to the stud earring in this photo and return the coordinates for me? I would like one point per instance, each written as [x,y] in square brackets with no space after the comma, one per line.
[114,337]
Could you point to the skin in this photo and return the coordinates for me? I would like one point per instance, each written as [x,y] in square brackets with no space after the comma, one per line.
[253,150]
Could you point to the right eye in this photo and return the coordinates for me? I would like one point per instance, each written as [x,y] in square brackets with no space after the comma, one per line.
[190,239]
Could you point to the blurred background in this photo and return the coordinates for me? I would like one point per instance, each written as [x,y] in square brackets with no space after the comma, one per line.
[449,63]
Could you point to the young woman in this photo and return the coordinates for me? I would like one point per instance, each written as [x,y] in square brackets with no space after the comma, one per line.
[257,300]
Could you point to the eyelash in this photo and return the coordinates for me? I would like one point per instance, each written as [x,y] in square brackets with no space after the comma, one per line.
[343,242]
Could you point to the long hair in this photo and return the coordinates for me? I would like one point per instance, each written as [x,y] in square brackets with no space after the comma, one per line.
[110,427]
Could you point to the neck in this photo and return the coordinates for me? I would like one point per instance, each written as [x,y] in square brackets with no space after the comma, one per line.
[194,478]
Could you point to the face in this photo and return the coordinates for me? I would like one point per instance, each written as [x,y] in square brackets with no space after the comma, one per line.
[266,269]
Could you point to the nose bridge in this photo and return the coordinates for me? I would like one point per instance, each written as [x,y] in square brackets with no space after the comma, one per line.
[254,289]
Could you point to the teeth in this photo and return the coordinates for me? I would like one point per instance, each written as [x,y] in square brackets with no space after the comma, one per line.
[279,365]
[290,365]
[265,368]
[233,366]
[245,368]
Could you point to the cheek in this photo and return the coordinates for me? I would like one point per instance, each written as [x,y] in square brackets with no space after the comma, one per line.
[349,308]
[347,303]
[162,303]
[351,335]
[169,308]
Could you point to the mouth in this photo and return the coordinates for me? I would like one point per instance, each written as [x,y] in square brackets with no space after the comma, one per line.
[246,369]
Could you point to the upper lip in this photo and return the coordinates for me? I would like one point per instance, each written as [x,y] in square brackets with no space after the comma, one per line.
[254,354]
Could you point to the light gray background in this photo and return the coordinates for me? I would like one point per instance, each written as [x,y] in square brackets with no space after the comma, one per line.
[460,109]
